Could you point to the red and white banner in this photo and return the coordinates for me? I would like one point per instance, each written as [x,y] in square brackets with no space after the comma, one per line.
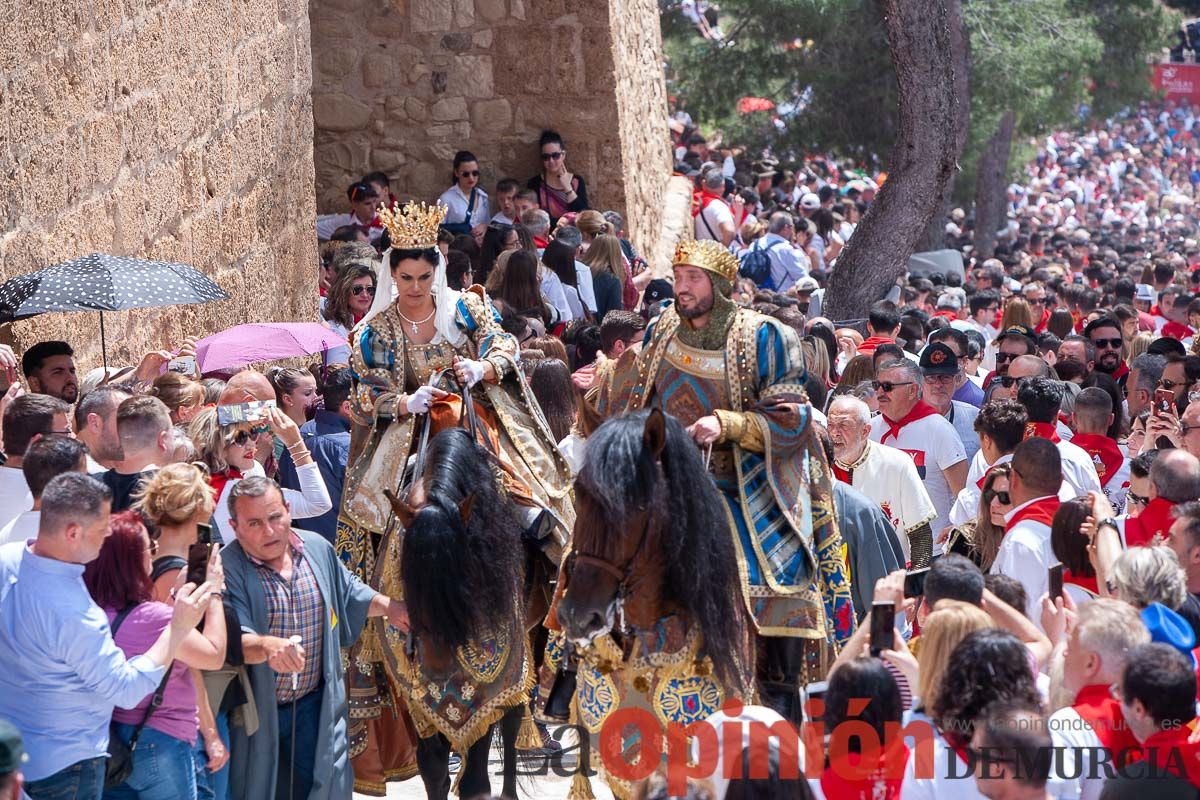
[1178,81]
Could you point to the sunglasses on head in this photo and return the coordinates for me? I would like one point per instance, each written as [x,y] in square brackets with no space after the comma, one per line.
[357,290]
[1109,344]
[888,386]
[471,173]
[992,494]
[552,156]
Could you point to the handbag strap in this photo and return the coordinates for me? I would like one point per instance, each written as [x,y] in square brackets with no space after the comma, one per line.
[157,699]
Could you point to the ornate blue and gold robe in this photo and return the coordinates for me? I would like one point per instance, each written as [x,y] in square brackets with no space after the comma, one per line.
[768,463]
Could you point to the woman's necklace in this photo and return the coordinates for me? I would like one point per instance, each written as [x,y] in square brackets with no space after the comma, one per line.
[416,324]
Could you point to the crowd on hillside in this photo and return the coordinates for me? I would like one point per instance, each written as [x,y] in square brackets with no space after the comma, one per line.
[1030,419]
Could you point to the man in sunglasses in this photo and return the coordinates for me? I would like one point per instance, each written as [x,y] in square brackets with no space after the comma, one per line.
[1011,343]
[940,367]
[1035,296]
[908,423]
[1105,334]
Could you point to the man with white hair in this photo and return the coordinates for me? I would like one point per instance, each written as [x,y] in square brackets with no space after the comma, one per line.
[908,423]
[1093,728]
[884,474]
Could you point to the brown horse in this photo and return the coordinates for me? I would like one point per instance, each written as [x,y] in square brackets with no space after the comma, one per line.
[652,603]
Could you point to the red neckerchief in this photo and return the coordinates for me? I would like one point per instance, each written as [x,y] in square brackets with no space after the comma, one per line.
[1155,311]
[218,480]
[1102,712]
[1155,518]
[540,242]
[1038,511]
[869,345]
[1168,749]
[1105,454]
[947,313]
[850,780]
[979,483]
[1041,326]
[1042,430]
[701,201]
[1084,581]
[919,411]
[1177,330]
[1121,371]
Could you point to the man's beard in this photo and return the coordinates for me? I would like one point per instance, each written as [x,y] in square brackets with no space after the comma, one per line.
[1101,366]
[701,308]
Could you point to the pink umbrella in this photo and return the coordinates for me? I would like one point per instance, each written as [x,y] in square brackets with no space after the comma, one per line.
[232,349]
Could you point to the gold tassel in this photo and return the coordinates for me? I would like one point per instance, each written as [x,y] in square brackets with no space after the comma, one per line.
[581,787]
[529,738]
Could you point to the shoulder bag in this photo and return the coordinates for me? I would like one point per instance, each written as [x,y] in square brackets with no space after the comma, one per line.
[120,753]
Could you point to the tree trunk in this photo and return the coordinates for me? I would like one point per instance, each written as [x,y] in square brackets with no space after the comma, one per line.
[989,186]
[960,51]
[920,164]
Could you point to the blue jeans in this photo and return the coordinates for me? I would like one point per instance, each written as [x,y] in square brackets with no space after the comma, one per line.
[218,781]
[83,780]
[204,789]
[307,723]
[164,768]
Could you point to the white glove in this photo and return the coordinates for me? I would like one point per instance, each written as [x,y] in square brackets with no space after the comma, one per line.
[471,371]
[419,401]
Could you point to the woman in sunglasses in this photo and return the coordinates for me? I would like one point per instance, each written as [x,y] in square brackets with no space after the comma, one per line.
[558,190]
[228,452]
[979,539]
[466,204]
[350,296]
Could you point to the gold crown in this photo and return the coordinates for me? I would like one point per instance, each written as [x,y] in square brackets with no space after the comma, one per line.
[707,255]
[413,226]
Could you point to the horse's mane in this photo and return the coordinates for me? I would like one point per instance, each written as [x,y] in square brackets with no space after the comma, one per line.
[700,568]
[461,580]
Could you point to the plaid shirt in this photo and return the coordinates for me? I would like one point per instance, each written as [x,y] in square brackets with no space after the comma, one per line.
[295,608]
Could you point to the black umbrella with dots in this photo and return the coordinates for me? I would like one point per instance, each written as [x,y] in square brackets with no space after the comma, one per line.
[100,282]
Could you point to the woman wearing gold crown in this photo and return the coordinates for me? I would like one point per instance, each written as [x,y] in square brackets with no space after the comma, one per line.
[416,328]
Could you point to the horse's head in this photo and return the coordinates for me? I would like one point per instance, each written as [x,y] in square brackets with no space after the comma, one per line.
[618,513]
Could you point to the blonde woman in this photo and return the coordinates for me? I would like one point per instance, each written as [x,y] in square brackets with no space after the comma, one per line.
[1144,575]
[182,396]
[177,500]
[609,279]
[592,225]
[1138,345]
[1017,312]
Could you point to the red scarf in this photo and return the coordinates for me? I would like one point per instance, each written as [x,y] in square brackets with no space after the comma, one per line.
[1097,707]
[700,201]
[979,483]
[1041,326]
[540,242]
[1038,511]
[850,780]
[1168,750]
[1121,371]
[1082,581]
[1155,518]
[1105,454]
[1042,430]
[218,480]
[1177,330]
[919,411]
[868,346]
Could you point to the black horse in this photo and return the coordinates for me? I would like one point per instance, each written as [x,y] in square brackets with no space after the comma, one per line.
[462,571]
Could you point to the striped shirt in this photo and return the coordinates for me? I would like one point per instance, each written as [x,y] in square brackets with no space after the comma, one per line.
[295,608]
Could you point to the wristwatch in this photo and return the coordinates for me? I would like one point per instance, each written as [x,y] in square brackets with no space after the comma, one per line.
[1110,522]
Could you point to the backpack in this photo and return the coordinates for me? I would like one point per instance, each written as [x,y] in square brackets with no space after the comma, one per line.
[756,265]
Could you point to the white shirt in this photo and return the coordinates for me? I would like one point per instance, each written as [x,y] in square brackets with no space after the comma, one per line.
[15,496]
[717,213]
[966,505]
[951,777]
[1078,469]
[552,290]
[1025,554]
[1075,739]
[583,281]
[889,477]
[934,447]
[94,467]
[456,206]
[962,417]
[327,225]
[311,501]
[21,529]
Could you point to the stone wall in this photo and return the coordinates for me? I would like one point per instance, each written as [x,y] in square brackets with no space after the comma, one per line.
[180,131]
[400,85]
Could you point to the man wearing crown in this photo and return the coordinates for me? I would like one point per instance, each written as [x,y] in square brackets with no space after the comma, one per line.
[419,331]
[733,377]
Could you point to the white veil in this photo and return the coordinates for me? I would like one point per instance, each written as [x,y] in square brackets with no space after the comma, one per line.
[445,299]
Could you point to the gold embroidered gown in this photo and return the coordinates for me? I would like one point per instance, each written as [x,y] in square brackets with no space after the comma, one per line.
[387,365]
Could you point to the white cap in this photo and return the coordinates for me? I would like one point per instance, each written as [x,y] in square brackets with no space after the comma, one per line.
[810,202]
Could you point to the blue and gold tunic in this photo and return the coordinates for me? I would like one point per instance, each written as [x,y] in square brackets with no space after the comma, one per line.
[767,463]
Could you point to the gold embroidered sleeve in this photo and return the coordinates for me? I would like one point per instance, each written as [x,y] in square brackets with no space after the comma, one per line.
[492,343]
[742,429]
